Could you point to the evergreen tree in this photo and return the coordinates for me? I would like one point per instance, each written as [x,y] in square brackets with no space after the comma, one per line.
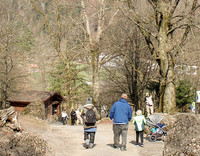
[184,93]
[69,82]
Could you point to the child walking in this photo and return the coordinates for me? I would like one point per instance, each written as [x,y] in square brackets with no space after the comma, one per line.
[139,121]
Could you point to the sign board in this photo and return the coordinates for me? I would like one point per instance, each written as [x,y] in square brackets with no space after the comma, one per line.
[193,106]
[198,97]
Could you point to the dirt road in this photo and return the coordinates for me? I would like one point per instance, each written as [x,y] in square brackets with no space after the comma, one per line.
[68,140]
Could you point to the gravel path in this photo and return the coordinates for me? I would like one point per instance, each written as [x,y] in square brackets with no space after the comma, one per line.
[68,140]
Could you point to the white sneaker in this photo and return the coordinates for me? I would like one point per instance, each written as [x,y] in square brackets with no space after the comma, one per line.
[87,143]
[91,145]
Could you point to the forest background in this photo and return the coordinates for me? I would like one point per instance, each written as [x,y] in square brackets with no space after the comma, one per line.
[100,49]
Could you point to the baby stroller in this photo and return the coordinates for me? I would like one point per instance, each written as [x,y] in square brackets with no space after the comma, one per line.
[157,131]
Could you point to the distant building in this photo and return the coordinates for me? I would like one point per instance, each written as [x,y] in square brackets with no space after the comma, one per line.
[52,101]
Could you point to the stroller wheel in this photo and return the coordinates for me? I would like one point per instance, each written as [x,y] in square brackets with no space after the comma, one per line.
[152,138]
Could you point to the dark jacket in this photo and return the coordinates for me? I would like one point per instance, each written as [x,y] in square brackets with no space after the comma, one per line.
[121,112]
[73,115]
[89,106]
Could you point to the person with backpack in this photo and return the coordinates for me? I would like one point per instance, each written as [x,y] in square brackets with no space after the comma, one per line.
[90,116]
[120,114]
[139,121]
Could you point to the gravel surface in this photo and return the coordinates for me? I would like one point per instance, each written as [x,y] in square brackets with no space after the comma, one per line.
[68,140]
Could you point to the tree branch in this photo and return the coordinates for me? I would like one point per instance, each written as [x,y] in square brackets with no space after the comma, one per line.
[52,35]
[173,8]
[87,22]
[152,4]
[188,28]
[101,20]
[178,27]
[138,23]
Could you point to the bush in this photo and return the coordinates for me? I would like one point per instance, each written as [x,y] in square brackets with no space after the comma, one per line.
[35,109]
[185,94]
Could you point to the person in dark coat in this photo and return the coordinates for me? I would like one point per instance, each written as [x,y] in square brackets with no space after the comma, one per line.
[73,117]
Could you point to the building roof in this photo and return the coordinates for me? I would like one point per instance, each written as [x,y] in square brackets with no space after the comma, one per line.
[32,96]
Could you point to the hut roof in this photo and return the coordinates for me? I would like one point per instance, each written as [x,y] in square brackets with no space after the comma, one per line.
[31,96]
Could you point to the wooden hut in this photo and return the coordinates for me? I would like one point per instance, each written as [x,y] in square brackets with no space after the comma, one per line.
[52,101]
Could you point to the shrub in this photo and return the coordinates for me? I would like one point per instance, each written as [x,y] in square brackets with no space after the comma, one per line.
[185,93]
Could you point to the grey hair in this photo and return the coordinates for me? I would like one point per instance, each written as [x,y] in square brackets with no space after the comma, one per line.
[124,95]
[139,112]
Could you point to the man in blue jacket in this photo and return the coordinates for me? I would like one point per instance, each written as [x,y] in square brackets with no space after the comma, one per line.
[121,114]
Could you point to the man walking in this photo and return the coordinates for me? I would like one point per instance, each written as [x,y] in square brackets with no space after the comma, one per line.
[121,114]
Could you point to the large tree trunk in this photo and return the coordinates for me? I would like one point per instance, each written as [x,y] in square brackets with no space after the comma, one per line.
[172,17]
[4,97]
[95,77]
[136,76]
[167,90]
[170,93]
[165,61]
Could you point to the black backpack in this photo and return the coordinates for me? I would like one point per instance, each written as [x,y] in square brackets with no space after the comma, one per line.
[90,116]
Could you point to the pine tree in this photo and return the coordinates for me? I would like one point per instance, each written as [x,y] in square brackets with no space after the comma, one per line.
[184,93]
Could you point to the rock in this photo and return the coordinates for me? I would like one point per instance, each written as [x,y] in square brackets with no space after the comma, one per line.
[26,144]
[184,137]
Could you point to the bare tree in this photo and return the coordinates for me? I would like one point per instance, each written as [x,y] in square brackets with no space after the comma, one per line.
[98,17]
[131,71]
[63,36]
[11,53]
[166,19]
[6,68]
[11,75]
